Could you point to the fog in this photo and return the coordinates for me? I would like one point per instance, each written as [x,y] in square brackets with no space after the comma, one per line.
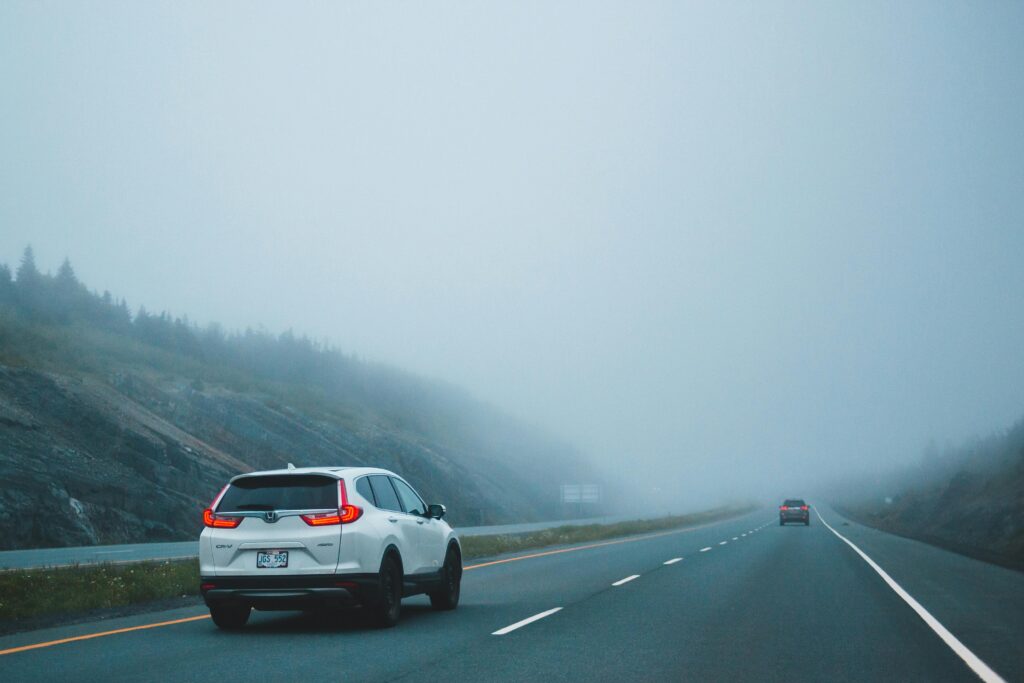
[726,249]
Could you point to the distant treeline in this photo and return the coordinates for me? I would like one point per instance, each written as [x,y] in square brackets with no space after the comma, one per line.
[62,299]
[41,300]
[33,301]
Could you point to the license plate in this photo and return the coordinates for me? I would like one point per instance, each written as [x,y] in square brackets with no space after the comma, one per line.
[271,559]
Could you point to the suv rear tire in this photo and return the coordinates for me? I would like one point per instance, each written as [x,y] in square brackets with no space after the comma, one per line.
[447,596]
[386,606]
[230,617]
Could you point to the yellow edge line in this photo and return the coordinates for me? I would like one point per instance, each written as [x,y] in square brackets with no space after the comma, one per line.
[101,634]
[519,558]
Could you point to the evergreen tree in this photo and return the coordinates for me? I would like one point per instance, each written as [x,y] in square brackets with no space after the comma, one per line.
[66,278]
[28,274]
[123,315]
[7,291]
[32,287]
[70,297]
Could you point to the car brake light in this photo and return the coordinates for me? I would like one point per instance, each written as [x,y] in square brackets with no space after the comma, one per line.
[350,513]
[803,507]
[346,513]
[322,519]
[219,521]
[783,507]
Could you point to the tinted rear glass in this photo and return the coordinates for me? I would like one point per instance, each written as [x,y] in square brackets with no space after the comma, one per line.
[384,493]
[284,492]
[794,503]
[363,486]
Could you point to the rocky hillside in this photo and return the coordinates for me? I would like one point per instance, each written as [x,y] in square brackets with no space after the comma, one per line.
[116,429]
[969,499]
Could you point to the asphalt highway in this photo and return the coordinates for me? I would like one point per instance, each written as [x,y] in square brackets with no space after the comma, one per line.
[739,600]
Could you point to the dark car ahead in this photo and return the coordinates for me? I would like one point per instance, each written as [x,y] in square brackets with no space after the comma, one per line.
[794,510]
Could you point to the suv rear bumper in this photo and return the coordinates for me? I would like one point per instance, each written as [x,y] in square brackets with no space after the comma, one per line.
[802,517]
[288,592]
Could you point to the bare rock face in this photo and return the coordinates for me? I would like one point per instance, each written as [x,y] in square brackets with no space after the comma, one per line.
[131,459]
[79,467]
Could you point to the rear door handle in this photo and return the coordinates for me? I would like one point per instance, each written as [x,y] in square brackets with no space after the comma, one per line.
[420,521]
[392,519]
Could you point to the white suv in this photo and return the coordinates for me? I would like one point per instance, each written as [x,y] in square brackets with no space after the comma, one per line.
[324,536]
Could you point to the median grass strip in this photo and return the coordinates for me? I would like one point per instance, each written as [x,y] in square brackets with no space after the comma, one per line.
[26,593]
[474,547]
[31,593]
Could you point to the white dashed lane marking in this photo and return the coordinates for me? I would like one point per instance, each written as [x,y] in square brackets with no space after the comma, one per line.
[626,580]
[673,560]
[524,622]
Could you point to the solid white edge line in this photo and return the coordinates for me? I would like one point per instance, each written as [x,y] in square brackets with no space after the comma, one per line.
[673,560]
[972,660]
[524,622]
[704,550]
[626,580]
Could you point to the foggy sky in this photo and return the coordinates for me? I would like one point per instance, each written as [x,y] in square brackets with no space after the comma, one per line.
[735,246]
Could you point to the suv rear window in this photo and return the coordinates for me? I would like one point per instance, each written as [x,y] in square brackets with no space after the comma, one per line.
[281,492]
[794,503]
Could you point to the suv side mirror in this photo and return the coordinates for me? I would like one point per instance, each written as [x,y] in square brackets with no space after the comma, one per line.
[435,511]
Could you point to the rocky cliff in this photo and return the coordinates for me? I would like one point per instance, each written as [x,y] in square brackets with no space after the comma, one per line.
[130,458]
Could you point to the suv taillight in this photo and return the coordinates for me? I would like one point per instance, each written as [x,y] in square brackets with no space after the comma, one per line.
[211,519]
[346,513]
[220,521]
[783,507]
[803,507]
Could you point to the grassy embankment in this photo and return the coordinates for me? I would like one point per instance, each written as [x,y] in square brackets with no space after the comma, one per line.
[68,590]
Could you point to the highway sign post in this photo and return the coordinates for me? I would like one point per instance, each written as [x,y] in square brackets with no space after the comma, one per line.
[580,494]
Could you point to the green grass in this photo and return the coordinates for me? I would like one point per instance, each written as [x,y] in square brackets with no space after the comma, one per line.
[486,546]
[28,593]
[66,590]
